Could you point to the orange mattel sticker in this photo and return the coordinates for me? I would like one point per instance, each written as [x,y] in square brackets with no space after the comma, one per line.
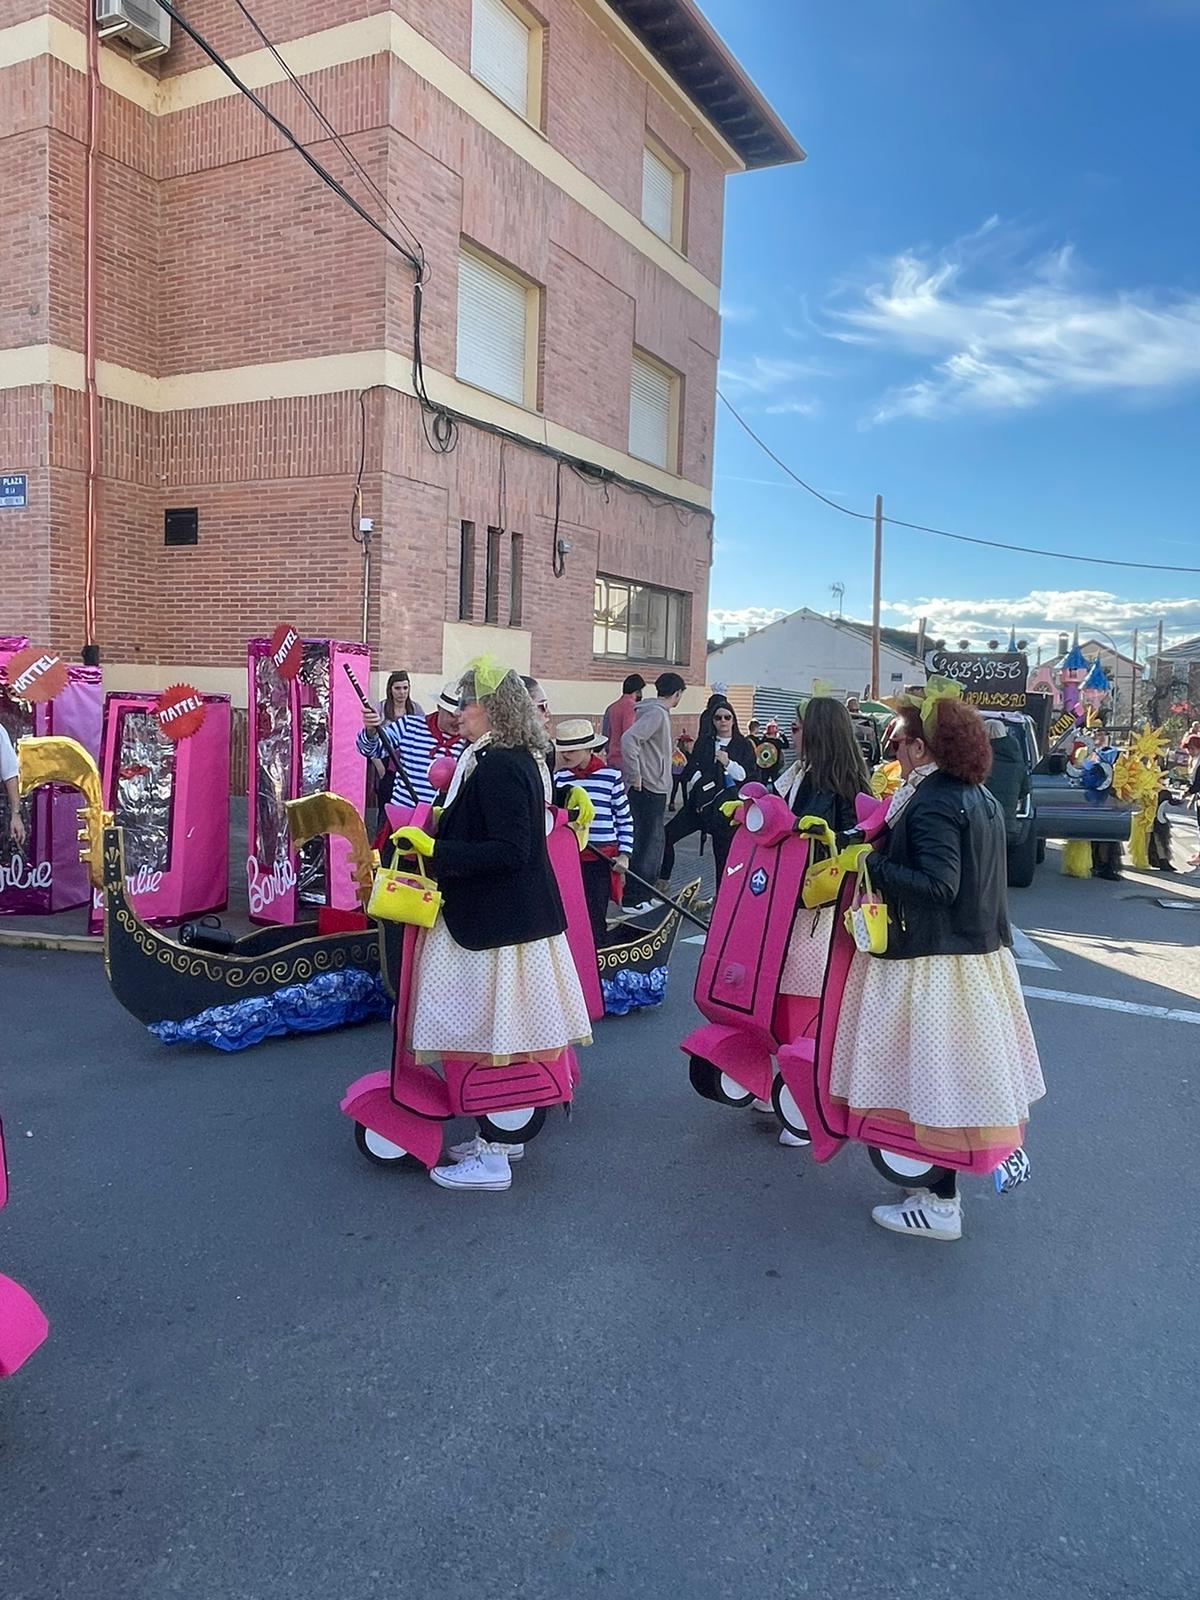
[180,711]
[35,675]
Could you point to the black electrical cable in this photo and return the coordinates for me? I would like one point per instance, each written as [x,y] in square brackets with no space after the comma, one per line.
[313,105]
[943,533]
[558,563]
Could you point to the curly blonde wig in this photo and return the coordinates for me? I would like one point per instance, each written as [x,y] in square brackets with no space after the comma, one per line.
[515,725]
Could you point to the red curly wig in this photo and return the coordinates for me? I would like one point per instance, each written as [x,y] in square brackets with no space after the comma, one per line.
[959,743]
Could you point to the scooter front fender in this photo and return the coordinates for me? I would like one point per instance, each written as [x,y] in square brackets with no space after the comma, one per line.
[742,1054]
[369,1100]
[23,1326]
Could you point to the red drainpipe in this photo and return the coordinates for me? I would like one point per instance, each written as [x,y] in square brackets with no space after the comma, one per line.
[89,338]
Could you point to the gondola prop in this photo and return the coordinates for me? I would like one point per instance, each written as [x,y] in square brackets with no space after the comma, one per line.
[274,981]
[635,956]
[759,1044]
[23,1325]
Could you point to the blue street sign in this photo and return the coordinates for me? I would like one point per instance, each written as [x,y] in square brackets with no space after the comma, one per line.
[14,490]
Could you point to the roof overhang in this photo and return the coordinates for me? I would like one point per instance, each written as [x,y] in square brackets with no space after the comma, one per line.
[685,44]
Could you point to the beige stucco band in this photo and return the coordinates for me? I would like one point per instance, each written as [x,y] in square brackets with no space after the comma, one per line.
[358,41]
[281,380]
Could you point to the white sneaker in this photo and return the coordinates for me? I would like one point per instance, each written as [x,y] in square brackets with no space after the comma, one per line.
[474,1147]
[922,1216]
[642,909]
[792,1141]
[487,1170]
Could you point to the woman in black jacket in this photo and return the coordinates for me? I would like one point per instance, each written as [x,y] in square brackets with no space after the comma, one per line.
[722,759]
[495,981]
[936,1030]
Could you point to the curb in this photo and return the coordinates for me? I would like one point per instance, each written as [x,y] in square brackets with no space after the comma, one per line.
[77,943]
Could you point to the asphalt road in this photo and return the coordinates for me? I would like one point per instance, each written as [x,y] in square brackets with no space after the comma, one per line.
[673,1360]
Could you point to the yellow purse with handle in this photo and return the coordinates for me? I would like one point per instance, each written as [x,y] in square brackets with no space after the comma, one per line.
[867,918]
[822,879]
[404,897]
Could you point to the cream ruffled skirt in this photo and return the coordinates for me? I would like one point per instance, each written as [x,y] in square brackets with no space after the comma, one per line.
[943,1040]
[521,1001]
[808,952]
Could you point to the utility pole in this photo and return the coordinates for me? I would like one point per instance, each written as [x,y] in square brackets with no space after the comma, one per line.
[875,597]
[1133,681]
[1160,637]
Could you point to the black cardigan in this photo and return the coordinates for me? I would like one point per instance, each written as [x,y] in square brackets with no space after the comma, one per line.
[490,858]
[942,869]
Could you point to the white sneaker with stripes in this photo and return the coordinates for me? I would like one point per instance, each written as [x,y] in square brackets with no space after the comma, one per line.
[922,1216]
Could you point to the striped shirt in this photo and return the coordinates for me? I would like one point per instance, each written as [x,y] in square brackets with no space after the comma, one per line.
[613,822]
[418,742]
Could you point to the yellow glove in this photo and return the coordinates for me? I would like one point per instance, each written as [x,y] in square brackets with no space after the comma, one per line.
[817,828]
[581,809]
[852,855]
[732,811]
[435,814]
[413,841]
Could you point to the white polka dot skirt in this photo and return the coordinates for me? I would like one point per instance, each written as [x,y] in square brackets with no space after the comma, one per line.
[519,1000]
[808,952]
[944,1039]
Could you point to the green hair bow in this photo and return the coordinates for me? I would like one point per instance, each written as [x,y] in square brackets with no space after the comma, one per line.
[488,675]
[927,700]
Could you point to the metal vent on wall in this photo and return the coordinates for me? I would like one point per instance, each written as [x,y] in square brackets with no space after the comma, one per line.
[181,526]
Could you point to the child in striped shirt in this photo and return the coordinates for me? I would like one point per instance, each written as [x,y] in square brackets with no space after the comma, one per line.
[610,837]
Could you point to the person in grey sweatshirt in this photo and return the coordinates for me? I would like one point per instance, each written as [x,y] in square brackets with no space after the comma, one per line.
[646,761]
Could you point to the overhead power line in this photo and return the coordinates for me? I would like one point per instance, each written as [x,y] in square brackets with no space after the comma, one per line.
[944,533]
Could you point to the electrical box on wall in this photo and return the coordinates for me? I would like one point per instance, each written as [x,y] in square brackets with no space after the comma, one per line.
[143,24]
[181,526]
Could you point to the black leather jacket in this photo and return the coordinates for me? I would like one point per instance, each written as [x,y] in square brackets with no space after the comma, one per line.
[942,870]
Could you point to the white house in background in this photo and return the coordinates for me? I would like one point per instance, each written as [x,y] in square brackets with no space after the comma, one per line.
[806,647]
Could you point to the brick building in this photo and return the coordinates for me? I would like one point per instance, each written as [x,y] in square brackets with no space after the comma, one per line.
[251,339]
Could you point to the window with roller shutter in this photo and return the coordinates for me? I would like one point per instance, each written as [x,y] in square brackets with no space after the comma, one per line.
[497,312]
[662,195]
[504,54]
[653,411]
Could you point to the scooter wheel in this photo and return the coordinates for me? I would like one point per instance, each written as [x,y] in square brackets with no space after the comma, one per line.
[513,1127]
[910,1172]
[703,1076]
[382,1152]
[788,1111]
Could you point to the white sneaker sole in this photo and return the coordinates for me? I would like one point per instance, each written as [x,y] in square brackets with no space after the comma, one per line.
[518,1155]
[447,1180]
[893,1226]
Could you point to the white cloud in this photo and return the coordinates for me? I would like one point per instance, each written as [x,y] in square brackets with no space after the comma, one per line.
[1042,614]
[724,624]
[773,384]
[1011,346]
[737,313]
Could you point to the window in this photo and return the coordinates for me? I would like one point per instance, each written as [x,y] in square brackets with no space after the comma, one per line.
[516,582]
[466,571]
[662,194]
[506,55]
[654,413]
[497,329]
[491,574]
[638,622]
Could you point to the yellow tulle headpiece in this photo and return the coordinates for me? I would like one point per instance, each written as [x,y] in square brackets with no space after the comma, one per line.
[926,700]
[488,675]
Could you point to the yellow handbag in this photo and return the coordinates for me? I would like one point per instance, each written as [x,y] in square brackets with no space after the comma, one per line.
[404,897]
[867,918]
[822,882]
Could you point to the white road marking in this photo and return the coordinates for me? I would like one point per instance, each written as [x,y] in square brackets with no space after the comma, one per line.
[1028,954]
[1163,1013]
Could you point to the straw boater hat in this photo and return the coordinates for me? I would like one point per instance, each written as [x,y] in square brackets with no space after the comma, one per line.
[577,733]
[448,700]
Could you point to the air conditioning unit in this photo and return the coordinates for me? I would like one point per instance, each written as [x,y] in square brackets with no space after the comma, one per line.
[141,23]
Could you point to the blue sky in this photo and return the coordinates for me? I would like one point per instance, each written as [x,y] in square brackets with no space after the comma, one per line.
[980,297]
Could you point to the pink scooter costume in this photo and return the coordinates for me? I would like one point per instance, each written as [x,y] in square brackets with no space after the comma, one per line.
[759,1043]
[23,1325]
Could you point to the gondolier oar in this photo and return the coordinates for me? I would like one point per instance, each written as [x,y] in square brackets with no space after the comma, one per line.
[391,753]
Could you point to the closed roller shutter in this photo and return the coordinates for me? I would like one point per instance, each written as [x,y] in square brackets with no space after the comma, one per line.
[500,53]
[492,313]
[658,196]
[650,413]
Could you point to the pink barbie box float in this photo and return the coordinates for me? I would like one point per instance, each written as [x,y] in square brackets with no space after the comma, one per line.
[398,1115]
[171,799]
[303,720]
[47,875]
[23,1324]
[759,1044]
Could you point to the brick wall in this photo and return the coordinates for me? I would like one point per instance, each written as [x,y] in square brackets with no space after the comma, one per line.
[217,249]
